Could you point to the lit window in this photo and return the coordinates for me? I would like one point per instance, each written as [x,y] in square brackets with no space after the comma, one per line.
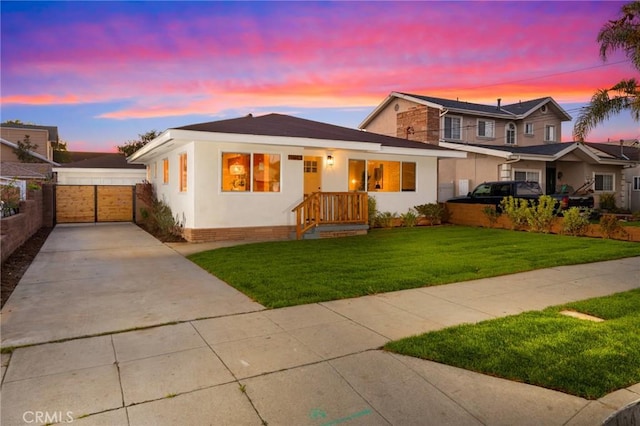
[247,172]
[528,129]
[165,170]
[603,182]
[527,175]
[549,133]
[485,129]
[183,172]
[452,126]
[381,176]
[510,134]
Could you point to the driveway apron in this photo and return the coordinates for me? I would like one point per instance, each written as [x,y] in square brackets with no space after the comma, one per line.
[102,278]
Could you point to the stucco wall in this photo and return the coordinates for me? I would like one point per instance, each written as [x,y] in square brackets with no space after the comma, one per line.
[82,176]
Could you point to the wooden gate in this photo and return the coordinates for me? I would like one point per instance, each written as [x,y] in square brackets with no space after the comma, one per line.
[94,203]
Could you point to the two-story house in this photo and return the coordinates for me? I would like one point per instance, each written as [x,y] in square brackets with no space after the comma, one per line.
[514,141]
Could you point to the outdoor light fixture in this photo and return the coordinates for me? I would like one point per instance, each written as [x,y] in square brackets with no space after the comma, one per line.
[330,160]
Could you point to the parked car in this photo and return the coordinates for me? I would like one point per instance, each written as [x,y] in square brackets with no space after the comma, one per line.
[493,192]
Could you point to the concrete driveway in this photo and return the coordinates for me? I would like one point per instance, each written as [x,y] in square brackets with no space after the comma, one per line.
[99,278]
[211,356]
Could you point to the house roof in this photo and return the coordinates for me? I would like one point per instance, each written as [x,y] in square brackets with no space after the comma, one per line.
[34,154]
[284,130]
[100,160]
[629,152]
[53,130]
[548,152]
[288,126]
[513,111]
[25,170]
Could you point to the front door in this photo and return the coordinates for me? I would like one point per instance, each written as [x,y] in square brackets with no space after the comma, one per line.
[550,179]
[312,175]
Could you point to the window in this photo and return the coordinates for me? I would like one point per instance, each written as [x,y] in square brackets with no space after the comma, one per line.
[486,129]
[452,127]
[603,182]
[527,175]
[183,172]
[528,129]
[246,172]
[382,176]
[165,170]
[310,166]
[549,133]
[510,134]
[636,183]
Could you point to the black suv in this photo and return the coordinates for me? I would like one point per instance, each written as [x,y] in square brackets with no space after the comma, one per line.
[494,192]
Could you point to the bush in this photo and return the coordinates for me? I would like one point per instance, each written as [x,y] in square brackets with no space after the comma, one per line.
[576,221]
[608,202]
[373,210]
[409,218]
[517,209]
[492,214]
[610,226]
[158,219]
[540,215]
[387,219]
[434,213]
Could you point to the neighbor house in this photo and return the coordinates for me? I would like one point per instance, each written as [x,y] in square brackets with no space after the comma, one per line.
[519,141]
[43,138]
[266,176]
[39,167]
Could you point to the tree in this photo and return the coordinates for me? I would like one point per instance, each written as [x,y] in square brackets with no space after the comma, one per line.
[132,146]
[60,152]
[25,149]
[623,33]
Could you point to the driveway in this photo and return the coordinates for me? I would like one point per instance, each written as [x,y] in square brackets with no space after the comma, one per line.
[99,278]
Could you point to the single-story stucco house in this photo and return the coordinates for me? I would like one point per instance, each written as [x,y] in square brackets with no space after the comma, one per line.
[268,175]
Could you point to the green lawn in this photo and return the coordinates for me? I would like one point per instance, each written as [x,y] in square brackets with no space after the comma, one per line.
[288,273]
[545,348]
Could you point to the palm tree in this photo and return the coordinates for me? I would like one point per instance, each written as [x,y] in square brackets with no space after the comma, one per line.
[624,34]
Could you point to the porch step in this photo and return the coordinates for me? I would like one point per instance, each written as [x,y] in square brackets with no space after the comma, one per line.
[334,231]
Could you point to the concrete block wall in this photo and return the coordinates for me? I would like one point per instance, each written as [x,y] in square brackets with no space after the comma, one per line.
[16,230]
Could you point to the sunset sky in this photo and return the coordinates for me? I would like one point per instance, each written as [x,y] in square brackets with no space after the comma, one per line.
[104,72]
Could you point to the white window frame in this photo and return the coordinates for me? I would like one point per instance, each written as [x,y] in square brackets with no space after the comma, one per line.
[489,128]
[515,133]
[452,128]
[528,129]
[636,183]
[249,175]
[527,173]
[547,136]
[613,182]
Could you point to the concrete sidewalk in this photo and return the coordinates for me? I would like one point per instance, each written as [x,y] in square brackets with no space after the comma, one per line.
[316,364]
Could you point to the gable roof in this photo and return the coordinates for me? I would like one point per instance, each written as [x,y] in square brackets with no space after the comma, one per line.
[546,152]
[100,160]
[292,131]
[516,111]
[34,154]
[25,170]
[629,152]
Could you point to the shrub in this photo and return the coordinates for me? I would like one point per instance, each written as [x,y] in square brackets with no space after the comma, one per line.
[387,219]
[373,210]
[409,218]
[608,202]
[434,213]
[610,226]
[540,215]
[517,211]
[492,214]
[158,219]
[576,221]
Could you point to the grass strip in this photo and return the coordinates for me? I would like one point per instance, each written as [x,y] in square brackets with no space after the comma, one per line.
[287,273]
[545,348]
